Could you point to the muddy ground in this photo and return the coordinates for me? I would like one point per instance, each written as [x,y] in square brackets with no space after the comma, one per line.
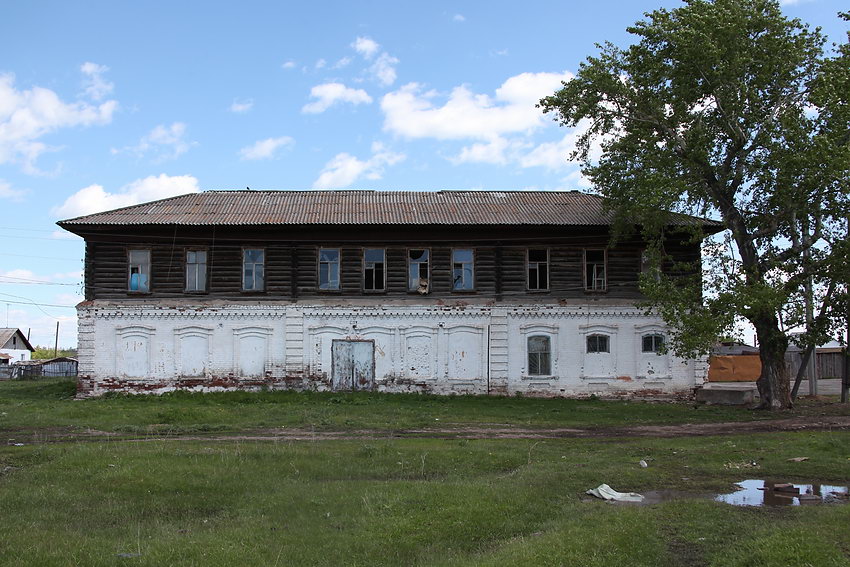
[447,431]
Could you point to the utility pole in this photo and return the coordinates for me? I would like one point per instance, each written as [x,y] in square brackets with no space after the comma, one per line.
[56,344]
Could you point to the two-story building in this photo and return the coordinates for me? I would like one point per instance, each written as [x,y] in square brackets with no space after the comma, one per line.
[448,292]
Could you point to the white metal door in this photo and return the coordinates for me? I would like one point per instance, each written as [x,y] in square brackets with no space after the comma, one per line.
[353,365]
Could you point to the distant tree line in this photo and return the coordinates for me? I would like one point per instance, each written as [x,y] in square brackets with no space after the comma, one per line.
[43,352]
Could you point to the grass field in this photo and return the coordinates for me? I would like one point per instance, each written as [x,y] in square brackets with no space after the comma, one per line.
[160,500]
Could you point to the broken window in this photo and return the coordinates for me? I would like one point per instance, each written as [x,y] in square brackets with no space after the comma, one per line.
[648,267]
[598,343]
[538,269]
[594,270]
[374,269]
[462,269]
[418,275]
[653,343]
[253,269]
[196,270]
[139,271]
[328,268]
[539,356]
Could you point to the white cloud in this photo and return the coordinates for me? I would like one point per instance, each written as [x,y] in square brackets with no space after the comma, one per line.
[366,47]
[64,235]
[7,192]
[344,62]
[19,274]
[409,112]
[265,149]
[459,18]
[344,169]
[382,69]
[288,65]
[554,155]
[28,115]
[162,143]
[96,87]
[320,64]
[493,152]
[95,198]
[24,274]
[329,94]
[241,106]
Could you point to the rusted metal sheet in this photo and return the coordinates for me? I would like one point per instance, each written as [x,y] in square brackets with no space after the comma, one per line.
[224,208]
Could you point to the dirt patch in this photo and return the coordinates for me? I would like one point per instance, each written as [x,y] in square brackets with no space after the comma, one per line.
[826,423]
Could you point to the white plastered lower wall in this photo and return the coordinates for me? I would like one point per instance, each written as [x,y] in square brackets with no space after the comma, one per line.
[438,349]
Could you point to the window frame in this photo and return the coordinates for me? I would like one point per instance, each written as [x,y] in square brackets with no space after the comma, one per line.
[537,262]
[471,262]
[597,349]
[585,265]
[319,263]
[547,352]
[657,345]
[363,268]
[140,272]
[262,289]
[647,269]
[411,289]
[205,282]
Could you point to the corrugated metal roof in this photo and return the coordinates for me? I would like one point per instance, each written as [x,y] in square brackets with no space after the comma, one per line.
[365,207]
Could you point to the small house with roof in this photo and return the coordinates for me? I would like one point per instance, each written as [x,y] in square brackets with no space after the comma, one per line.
[14,346]
[481,292]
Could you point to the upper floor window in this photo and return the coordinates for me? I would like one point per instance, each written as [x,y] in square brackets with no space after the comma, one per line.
[648,267]
[595,278]
[328,268]
[418,274]
[539,355]
[538,269]
[253,269]
[196,270]
[653,342]
[139,270]
[374,269]
[598,343]
[462,269]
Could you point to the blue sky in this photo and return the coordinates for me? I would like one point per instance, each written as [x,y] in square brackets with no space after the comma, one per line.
[106,104]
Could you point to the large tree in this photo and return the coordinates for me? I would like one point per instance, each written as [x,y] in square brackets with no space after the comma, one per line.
[726,108]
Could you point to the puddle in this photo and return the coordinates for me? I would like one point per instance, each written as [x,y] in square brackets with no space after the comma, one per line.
[756,492]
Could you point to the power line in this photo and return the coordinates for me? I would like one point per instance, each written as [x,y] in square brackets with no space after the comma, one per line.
[66,258]
[38,305]
[28,281]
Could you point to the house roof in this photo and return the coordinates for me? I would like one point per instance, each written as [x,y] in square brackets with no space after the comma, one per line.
[43,361]
[6,335]
[357,207]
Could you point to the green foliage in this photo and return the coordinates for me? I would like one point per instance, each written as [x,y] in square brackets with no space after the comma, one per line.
[45,353]
[726,108]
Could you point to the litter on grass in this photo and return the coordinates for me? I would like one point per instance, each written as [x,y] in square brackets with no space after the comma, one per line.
[605,492]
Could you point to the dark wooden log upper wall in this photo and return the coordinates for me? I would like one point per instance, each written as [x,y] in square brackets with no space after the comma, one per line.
[291,266]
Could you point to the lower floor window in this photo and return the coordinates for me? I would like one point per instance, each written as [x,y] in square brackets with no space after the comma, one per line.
[539,356]
[598,343]
[653,343]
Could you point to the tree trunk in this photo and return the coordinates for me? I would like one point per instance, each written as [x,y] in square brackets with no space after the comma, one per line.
[774,382]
